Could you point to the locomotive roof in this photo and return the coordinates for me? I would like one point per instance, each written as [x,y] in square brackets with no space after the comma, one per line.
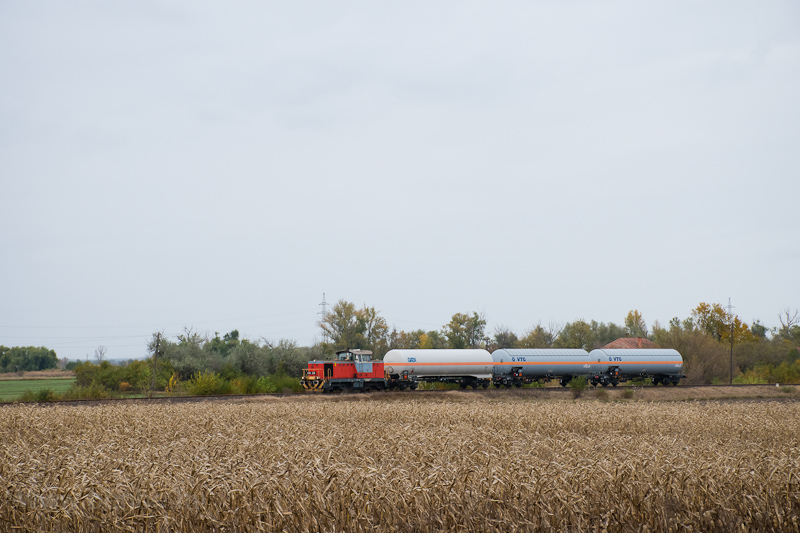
[357,352]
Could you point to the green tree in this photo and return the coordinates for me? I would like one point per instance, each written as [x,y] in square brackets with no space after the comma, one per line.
[402,340]
[635,324]
[504,338]
[577,334]
[189,356]
[340,327]
[539,337]
[433,340]
[27,359]
[456,331]
[476,330]
[373,331]
[606,333]
[225,345]
[345,327]
[759,330]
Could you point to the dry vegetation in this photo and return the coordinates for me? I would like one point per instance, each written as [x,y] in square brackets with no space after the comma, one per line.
[37,374]
[408,463]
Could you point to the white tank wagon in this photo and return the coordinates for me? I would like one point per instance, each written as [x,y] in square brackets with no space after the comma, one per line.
[517,366]
[466,367]
[660,365]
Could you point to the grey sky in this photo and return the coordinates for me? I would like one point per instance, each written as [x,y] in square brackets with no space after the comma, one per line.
[219,166]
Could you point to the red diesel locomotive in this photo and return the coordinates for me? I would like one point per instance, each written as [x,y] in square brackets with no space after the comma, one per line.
[351,370]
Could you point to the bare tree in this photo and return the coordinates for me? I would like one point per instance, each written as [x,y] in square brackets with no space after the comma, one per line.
[100,354]
[788,320]
[554,329]
[504,337]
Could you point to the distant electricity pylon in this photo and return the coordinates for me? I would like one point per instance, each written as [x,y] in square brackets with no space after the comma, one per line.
[730,317]
[323,314]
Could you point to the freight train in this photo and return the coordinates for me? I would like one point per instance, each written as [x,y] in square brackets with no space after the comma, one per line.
[355,370]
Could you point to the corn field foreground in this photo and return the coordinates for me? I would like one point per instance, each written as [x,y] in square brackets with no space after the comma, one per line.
[410,464]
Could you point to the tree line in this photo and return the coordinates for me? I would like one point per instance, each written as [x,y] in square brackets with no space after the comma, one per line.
[198,361]
[26,359]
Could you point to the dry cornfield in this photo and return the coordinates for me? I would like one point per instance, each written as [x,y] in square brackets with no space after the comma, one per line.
[379,462]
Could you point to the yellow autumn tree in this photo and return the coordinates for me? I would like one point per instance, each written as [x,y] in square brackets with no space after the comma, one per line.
[714,320]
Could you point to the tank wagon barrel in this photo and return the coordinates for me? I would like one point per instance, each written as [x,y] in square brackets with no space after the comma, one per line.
[468,367]
[518,366]
[660,365]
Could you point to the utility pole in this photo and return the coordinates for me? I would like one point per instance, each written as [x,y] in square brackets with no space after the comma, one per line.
[155,358]
[730,317]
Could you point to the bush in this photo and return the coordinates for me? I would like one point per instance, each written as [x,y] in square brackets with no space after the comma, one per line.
[750,380]
[578,386]
[45,395]
[628,394]
[278,383]
[92,392]
[245,385]
[601,394]
[205,383]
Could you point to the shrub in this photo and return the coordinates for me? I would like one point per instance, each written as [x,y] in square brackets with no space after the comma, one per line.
[92,392]
[601,394]
[205,383]
[278,383]
[45,395]
[578,386]
[750,379]
[28,396]
[628,394]
[244,385]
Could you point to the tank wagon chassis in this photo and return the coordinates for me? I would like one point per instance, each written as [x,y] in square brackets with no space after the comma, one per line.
[462,382]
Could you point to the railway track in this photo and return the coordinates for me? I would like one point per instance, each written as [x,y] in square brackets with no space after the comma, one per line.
[487,392]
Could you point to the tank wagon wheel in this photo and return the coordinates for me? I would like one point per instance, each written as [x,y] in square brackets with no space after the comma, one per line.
[518,384]
[604,385]
[485,385]
[462,385]
[614,383]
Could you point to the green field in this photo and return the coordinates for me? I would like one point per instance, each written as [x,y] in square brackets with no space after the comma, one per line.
[12,389]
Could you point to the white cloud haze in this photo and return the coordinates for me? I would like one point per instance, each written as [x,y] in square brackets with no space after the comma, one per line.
[219,166]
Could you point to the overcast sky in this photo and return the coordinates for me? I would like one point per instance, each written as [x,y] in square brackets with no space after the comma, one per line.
[218,165]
